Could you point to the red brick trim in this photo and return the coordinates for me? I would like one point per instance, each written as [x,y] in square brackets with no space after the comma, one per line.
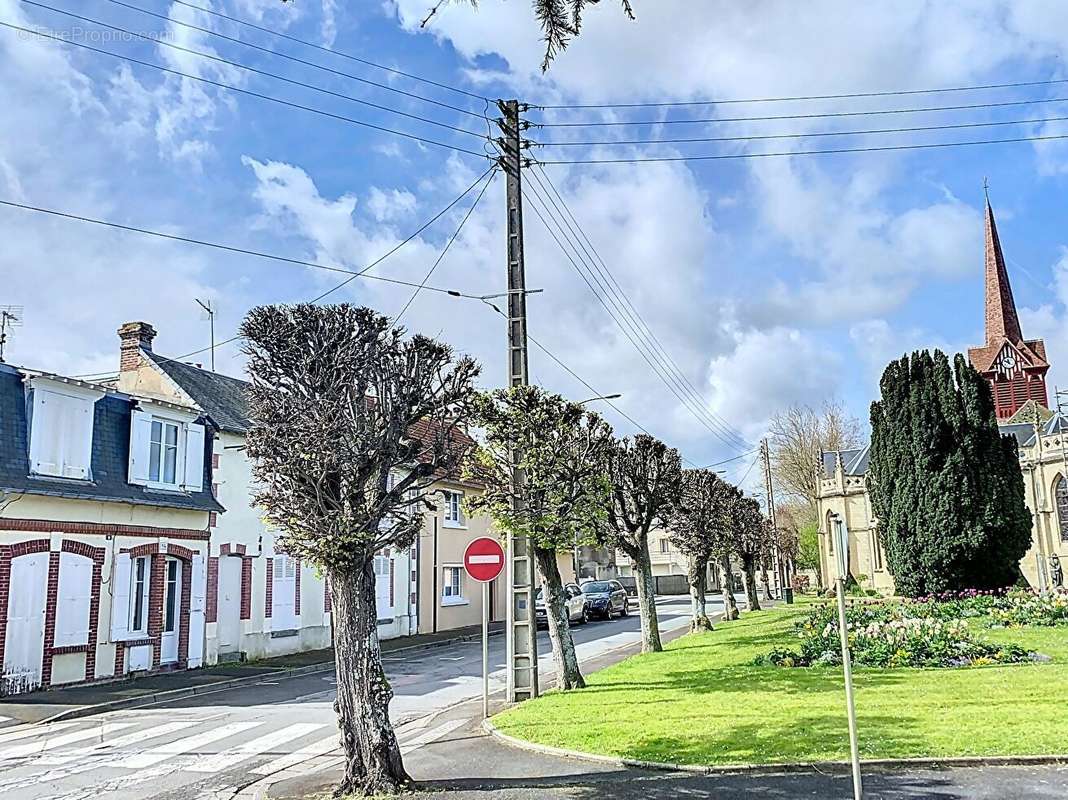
[70,648]
[51,598]
[268,602]
[211,604]
[246,587]
[100,528]
[7,553]
[183,613]
[175,550]
[156,586]
[229,549]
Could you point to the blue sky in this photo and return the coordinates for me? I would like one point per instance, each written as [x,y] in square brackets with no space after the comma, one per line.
[770,281]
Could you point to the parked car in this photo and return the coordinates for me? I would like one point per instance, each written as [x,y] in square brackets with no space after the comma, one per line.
[605,598]
[574,600]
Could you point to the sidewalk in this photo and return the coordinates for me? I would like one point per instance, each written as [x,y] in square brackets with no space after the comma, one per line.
[96,698]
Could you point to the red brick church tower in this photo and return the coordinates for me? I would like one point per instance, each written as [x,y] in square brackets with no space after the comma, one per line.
[1015,367]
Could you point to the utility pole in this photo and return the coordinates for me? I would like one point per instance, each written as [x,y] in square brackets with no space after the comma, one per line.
[211,321]
[522,639]
[785,590]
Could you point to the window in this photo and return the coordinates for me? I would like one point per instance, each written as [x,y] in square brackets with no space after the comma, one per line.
[284,611]
[830,532]
[166,451]
[139,579]
[876,552]
[163,454]
[665,545]
[452,586]
[454,510]
[74,597]
[170,611]
[61,428]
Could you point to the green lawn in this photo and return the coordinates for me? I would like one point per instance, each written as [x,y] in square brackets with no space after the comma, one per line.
[700,702]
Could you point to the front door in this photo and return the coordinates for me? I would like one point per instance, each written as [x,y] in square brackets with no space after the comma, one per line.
[172,608]
[24,645]
[229,604]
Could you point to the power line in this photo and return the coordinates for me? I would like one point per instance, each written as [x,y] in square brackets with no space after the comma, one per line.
[838,150]
[254,70]
[325,49]
[728,460]
[627,307]
[822,115]
[746,475]
[672,387]
[248,92]
[448,244]
[230,248]
[294,59]
[845,96]
[763,137]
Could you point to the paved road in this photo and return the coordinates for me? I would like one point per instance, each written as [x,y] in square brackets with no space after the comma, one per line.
[213,745]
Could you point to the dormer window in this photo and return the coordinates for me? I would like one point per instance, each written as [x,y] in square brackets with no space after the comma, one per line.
[163,457]
[166,449]
[61,428]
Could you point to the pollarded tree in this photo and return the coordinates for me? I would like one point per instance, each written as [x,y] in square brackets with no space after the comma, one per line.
[559,497]
[351,423]
[646,479]
[751,536]
[698,527]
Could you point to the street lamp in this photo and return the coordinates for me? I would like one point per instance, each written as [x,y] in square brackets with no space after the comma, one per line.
[615,396]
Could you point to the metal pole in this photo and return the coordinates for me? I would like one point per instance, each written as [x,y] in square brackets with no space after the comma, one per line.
[521,641]
[847,669]
[485,651]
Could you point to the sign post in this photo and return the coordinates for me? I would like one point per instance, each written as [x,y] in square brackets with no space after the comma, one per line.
[483,562]
[841,541]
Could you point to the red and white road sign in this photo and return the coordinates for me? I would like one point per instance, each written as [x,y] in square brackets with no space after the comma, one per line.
[484,559]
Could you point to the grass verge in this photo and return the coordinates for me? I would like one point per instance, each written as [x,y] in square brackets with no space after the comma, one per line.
[702,702]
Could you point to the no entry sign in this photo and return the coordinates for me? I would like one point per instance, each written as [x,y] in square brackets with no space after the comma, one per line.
[484,559]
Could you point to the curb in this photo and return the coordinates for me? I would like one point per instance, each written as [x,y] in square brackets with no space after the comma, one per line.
[833,767]
[208,688]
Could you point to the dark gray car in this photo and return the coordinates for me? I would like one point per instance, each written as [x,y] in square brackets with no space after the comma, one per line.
[605,598]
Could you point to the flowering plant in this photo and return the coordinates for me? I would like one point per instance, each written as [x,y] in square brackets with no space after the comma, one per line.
[1025,607]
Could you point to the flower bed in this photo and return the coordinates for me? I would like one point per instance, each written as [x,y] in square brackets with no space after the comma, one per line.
[1028,608]
[891,635]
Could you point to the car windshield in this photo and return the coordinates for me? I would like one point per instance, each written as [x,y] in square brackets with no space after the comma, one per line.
[595,587]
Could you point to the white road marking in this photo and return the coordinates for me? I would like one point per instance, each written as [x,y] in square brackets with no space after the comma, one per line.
[163,752]
[34,730]
[431,735]
[32,748]
[104,748]
[319,748]
[243,752]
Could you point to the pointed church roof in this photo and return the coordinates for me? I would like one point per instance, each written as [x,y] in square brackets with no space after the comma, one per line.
[1001,319]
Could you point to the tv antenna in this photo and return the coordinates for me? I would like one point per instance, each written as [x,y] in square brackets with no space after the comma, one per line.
[10,317]
[209,310]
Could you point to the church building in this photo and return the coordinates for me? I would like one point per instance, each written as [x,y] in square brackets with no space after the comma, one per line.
[1016,369]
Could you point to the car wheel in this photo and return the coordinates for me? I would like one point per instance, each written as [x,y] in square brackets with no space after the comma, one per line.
[626,609]
[585,615]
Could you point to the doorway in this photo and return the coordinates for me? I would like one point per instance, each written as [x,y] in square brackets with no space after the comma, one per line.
[24,649]
[172,607]
[229,614]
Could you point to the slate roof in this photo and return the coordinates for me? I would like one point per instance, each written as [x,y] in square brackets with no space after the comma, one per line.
[221,397]
[854,461]
[109,461]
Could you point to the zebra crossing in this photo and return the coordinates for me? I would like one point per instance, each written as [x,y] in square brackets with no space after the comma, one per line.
[149,753]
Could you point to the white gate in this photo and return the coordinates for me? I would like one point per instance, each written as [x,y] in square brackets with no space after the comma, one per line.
[24,645]
[229,611]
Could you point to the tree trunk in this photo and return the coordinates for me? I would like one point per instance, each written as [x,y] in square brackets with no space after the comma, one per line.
[373,763]
[765,579]
[647,599]
[730,605]
[568,675]
[697,575]
[751,594]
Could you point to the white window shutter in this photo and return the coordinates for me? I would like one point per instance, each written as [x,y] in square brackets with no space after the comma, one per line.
[77,433]
[194,457]
[120,598]
[72,603]
[140,438]
[46,434]
[197,601]
[460,508]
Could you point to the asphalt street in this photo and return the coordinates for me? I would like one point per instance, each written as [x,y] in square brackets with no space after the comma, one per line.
[215,745]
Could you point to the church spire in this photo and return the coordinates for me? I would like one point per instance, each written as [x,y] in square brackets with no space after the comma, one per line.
[1001,319]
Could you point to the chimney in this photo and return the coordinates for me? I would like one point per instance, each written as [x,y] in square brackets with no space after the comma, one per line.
[133,338]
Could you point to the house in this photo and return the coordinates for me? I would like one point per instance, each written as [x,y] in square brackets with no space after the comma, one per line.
[669,566]
[1016,369]
[262,602]
[105,501]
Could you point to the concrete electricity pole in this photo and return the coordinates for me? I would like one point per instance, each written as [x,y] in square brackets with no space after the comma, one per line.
[522,639]
[785,591]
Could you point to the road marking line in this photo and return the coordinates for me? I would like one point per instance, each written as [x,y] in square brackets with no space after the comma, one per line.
[431,735]
[179,746]
[319,748]
[34,730]
[243,752]
[104,748]
[32,748]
